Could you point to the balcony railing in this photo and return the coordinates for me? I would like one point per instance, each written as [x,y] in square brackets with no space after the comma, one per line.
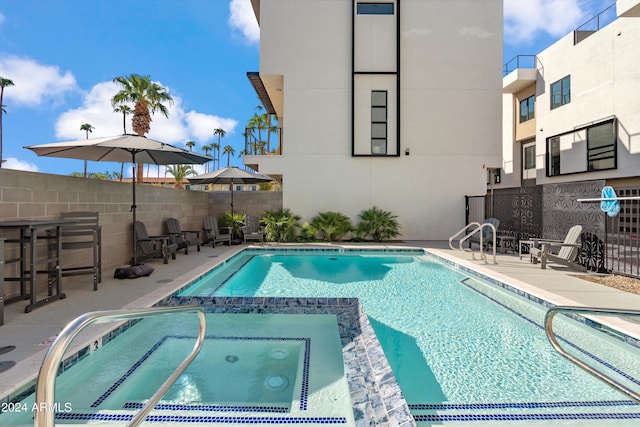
[261,142]
[520,61]
[596,23]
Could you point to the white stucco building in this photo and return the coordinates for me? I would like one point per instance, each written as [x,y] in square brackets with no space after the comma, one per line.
[572,113]
[388,103]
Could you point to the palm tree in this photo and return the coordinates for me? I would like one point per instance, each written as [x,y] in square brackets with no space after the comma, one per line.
[124,109]
[147,98]
[87,128]
[180,172]
[216,156]
[206,149]
[3,83]
[220,133]
[259,122]
[229,151]
[190,145]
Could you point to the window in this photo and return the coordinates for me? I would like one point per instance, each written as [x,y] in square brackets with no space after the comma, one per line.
[379,122]
[527,107]
[561,92]
[530,157]
[554,156]
[601,147]
[375,9]
[586,149]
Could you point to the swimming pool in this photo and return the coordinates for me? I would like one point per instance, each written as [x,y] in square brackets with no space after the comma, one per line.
[448,373]
[462,349]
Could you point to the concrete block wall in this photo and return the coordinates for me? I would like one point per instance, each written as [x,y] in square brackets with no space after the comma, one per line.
[31,195]
[251,203]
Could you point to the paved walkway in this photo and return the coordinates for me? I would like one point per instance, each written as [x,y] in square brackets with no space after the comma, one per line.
[32,333]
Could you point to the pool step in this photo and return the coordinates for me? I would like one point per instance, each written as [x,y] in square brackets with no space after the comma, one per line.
[618,412]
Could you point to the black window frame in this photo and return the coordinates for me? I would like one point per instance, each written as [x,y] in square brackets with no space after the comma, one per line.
[592,153]
[380,108]
[370,8]
[564,92]
[529,104]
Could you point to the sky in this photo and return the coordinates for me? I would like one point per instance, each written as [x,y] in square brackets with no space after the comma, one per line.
[62,56]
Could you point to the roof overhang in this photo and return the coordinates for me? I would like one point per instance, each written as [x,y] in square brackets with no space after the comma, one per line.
[269,90]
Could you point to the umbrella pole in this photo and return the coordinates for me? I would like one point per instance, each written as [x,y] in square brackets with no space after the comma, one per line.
[133,210]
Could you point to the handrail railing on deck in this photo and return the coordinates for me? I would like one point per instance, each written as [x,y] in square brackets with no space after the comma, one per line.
[45,386]
[548,328]
[477,228]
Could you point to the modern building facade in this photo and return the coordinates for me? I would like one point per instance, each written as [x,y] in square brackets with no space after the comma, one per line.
[394,104]
[574,113]
[571,127]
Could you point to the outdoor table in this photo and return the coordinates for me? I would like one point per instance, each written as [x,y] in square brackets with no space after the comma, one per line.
[28,259]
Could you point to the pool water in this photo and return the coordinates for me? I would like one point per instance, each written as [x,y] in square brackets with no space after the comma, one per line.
[454,342]
[251,368]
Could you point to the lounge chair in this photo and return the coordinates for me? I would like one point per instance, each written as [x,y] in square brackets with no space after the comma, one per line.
[154,246]
[487,233]
[252,230]
[562,252]
[184,238]
[212,233]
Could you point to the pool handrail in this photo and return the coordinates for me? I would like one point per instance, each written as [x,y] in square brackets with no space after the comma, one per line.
[548,328]
[45,385]
[477,227]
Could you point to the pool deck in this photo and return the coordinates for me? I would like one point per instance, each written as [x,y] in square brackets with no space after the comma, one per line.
[32,333]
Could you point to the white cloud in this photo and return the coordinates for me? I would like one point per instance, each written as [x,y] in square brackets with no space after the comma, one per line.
[13,163]
[527,19]
[180,127]
[244,20]
[2,18]
[35,83]
[201,126]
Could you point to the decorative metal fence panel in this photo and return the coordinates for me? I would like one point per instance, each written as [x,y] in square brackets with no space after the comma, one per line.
[519,211]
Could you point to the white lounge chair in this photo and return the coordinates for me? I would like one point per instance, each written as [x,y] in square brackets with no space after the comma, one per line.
[562,252]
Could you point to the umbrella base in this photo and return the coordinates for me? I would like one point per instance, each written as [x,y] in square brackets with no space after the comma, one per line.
[133,272]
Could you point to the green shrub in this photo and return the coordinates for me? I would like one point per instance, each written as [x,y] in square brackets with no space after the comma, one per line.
[380,225]
[308,233]
[280,225]
[332,226]
[234,223]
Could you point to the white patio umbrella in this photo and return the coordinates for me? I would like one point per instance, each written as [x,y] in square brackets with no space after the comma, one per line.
[121,148]
[229,175]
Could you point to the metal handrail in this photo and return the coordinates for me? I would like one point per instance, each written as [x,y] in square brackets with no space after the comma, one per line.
[469,234]
[45,386]
[548,328]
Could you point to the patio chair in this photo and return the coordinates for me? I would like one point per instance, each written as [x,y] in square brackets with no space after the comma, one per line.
[487,233]
[562,252]
[84,233]
[212,232]
[154,246]
[252,230]
[184,238]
